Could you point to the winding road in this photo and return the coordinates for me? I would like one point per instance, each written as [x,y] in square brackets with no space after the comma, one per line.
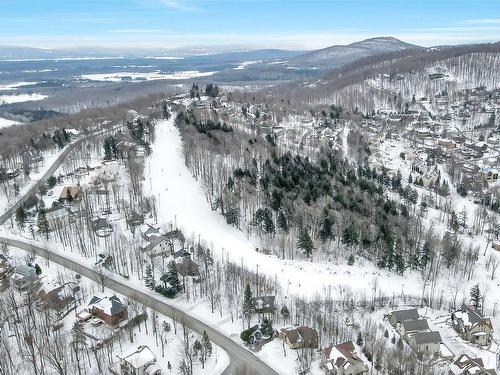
[242,361]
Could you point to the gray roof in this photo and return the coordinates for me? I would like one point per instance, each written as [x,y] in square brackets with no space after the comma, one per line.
[415,325]
[25,270]
[155,242]
[474,315]
[403,315]
[427,338]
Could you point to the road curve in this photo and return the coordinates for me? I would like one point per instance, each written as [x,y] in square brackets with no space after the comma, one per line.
[50,171]
[242,361]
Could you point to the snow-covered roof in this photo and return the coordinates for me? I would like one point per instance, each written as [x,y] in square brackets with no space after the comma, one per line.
[109,305]
[138,357]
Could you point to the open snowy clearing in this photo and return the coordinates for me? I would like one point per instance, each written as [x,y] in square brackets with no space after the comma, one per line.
[20,98]
[5,123]
[181,201]
[15,85]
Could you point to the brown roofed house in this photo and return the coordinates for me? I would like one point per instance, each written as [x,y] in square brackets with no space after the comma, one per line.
[71,193]
[109,309]
[300,337]
[342,359]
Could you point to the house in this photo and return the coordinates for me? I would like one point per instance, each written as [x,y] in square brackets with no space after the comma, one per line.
[185,266]
[488,174]
[57,215]
[58,296]
[71,193]
[12,173]
[342,359]
[426,344]
[134,219]
[300,337]
[472,326]
[138,361]
[148,232]
[101,227]
[264,304]
[158,246]
[109,309]
[403,315]
[410,327]
[23,276]
[465,365]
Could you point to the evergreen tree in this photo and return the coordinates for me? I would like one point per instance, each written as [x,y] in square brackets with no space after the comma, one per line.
[426,254]
[285,313]
[350,260]
[325,232]
[359,340]
[51,182]
[149,280]
[172,278]
[233,216]
[206,343]
[305,242]
[266,327]
[43,224]
[20,216]
[282,222]
[197,347]
[350,235]
[248,306]
[475,296]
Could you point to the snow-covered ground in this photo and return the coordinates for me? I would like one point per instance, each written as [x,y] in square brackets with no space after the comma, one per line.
[5,123]
[134,76]
[181,200]
[53,273]
[19,98]
[15,85]
[244,64]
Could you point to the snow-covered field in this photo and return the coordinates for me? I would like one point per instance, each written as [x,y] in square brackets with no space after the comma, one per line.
[15,85]
[4,123]
[124,76]
[20,98]
[244,64]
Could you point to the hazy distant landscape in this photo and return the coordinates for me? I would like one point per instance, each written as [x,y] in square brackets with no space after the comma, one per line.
[193,187]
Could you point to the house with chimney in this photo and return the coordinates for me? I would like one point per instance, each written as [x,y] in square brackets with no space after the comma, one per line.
[341,359]
[109,309]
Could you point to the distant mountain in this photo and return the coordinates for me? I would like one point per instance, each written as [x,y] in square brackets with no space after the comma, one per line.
[216,53]
[338,55]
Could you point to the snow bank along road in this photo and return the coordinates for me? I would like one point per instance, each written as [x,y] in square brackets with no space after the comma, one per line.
[242,361]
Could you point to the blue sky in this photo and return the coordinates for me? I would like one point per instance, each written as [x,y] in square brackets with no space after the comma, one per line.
[292,24]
